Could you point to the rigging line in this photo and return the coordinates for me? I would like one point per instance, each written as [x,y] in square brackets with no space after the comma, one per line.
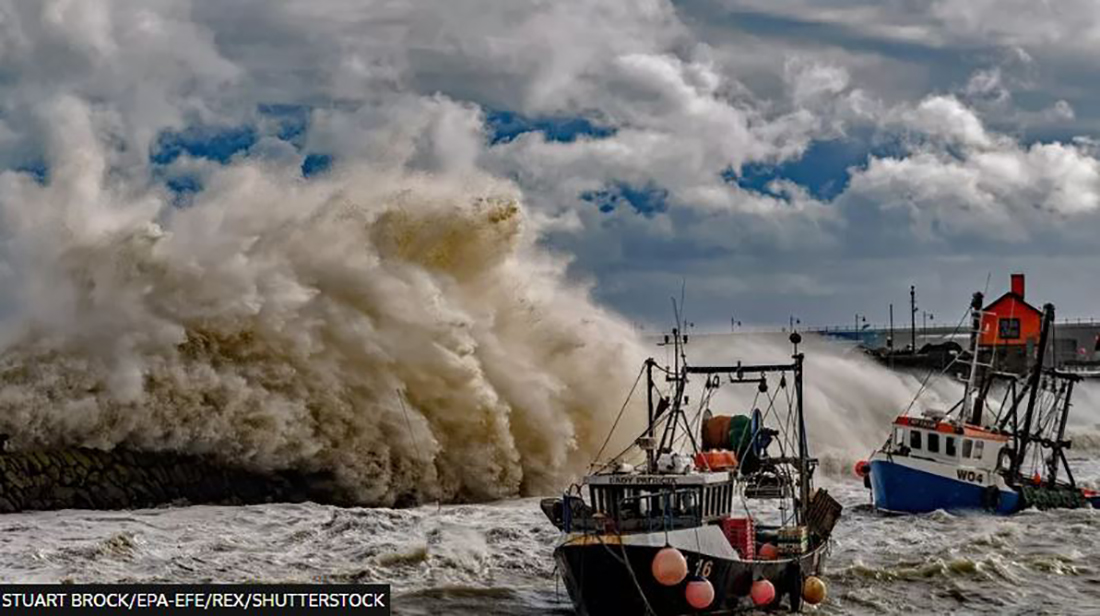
[765,415]
[788,427]
[771,407]
[632,445]
[683,293]
[676,315]
[932,371]
[704,402]
[625,561]
[620,415]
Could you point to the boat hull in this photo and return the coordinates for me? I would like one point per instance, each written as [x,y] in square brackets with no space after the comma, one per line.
[899,485]
[608,576]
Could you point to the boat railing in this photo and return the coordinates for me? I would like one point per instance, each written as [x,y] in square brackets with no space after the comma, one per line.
[663,509]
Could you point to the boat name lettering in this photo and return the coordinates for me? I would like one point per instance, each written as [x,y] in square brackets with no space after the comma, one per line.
[643,480]
[971,476]
[918,422]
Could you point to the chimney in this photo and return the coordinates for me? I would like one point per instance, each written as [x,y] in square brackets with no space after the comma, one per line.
[1018,285]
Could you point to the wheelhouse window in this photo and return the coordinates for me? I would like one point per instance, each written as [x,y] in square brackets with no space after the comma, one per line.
[1009,329]
[914,439]
[978,446]
[933,442]
[949,446]
[968,447]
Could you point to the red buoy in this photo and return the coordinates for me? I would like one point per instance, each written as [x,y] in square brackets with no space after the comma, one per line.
[699,593]
[669,566]
[763,592]
[768,552]
[862,469]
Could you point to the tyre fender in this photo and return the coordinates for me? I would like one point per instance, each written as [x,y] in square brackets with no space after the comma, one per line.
[991,498]
[795,580]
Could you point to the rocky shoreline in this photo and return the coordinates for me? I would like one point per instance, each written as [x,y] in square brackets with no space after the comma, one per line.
[80,478]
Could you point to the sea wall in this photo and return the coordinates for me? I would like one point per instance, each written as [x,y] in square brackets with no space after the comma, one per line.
[76,478]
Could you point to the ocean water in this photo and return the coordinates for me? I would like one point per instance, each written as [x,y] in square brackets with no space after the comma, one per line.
[496,558]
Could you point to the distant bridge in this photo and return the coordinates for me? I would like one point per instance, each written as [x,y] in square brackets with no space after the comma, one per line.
[1073,338]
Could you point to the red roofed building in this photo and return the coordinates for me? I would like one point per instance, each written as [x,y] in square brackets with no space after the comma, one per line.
[1010,328]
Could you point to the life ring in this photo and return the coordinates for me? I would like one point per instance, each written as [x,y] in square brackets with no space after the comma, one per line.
[1005,459]
[991,498]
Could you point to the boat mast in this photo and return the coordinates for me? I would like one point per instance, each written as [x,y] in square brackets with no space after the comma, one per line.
[649,403]
[1023,436]
[803,447]
[975,339]
[679,377]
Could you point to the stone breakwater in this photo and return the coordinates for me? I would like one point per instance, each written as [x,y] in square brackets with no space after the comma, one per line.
[76,478]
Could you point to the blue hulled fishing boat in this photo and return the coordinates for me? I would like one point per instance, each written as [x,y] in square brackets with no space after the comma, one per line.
[999,458]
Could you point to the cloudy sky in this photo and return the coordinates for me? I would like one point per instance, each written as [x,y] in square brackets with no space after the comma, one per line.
[778,157]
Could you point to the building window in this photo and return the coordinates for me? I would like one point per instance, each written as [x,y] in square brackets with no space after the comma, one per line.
[1009,329]
[949,446]
[967,446]
[914,439]
[933,442]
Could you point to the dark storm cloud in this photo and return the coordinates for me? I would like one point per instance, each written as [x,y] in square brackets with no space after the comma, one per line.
[782,156]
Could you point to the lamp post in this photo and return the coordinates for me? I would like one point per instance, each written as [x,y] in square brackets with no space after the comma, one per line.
[913,317]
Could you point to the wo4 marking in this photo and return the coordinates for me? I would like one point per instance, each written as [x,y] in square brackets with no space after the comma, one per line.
[971,476]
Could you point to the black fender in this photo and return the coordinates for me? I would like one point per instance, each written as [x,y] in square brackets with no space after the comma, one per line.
[794,583]
[991,498]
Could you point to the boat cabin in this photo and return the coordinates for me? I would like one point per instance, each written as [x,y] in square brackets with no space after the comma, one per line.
[644,502]
[946,442]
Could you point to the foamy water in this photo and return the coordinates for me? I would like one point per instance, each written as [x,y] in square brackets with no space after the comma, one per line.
[496,558]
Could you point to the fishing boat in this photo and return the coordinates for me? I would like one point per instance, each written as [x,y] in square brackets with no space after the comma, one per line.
[685,528]
[979,455]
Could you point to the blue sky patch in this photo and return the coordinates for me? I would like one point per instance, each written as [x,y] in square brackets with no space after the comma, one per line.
[315,164]
[505,126]
[37,169]
[292,121]
[184,188]
[647,201]
[822,169]
[214,144]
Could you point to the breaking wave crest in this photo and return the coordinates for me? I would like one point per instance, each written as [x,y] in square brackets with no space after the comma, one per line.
[401,332]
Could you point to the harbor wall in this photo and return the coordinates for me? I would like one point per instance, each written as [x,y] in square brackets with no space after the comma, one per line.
[1072,340]
[78,478]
